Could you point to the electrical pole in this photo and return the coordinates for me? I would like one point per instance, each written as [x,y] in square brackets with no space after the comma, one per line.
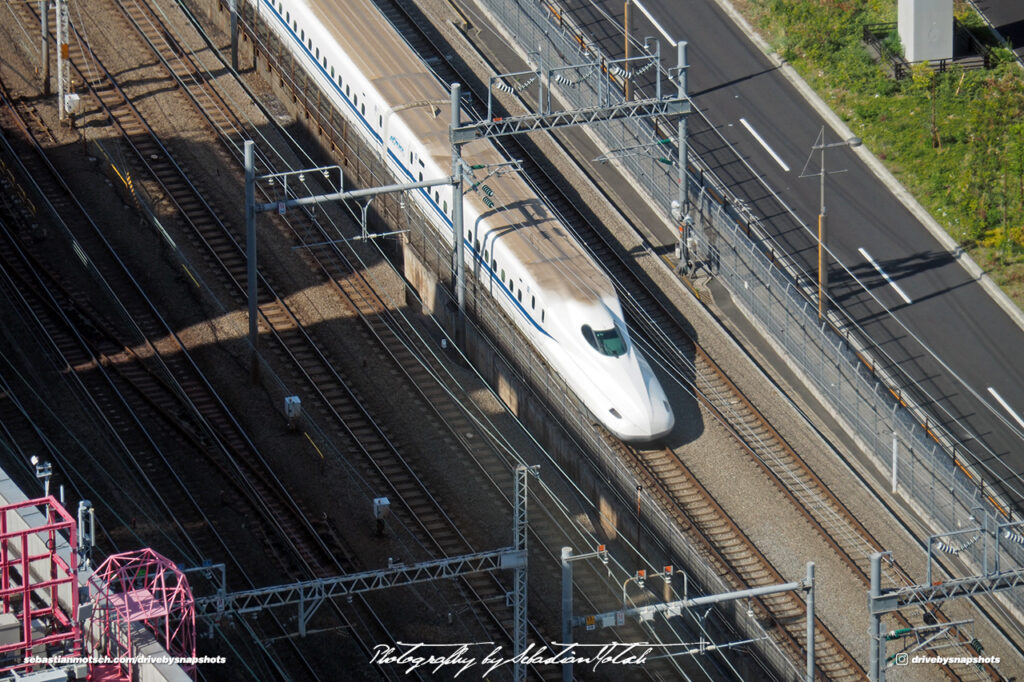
[63,80]
[822,257]
[233,5]
[457,226]
[625,31]
[822,214]
[250,258]
[44,20]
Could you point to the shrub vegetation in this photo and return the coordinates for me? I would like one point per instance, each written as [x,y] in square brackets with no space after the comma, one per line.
[955,139]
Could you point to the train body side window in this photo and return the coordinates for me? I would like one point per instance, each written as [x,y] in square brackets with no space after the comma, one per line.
[362,109]
[503,275]
[519,295]
[302,34]
[446,207]
[541,314]
[533,302]
[318,53]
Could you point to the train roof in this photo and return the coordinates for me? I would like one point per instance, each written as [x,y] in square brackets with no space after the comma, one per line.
[525,224]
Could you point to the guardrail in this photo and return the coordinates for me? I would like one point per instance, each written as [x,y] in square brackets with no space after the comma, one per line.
[980,54]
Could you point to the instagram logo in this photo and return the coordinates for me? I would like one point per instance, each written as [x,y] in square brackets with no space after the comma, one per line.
[902,659]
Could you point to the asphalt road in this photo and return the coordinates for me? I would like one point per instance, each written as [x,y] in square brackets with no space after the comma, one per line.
[1008,18]
[742,93]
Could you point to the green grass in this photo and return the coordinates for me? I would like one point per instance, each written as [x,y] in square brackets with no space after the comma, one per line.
[955,140]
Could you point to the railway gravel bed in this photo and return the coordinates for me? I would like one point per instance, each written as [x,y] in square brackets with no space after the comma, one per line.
[274,312]
[832,522]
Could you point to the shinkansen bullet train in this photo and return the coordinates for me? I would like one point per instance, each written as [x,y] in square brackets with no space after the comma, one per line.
[556,294]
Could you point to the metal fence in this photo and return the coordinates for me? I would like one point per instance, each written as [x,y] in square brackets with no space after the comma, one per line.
[931,477]
[970,52]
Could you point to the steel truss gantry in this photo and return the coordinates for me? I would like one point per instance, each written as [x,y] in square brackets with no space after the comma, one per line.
[528,123]
[676,608]
[882,602]
[309,595]
[545,119]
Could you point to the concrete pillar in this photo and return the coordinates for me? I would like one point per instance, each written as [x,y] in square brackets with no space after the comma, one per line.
[926,29]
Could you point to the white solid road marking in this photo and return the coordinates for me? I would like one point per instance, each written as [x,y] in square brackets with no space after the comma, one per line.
[764,144]
[655,22]
[887,278]
[1006,407]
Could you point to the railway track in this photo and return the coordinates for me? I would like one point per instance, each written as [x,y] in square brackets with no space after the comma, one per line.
[293,342]
[149,397]
[278,318]
[828,642]
[358,295]
[848,538]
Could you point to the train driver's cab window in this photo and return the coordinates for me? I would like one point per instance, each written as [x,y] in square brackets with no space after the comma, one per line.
[606,342]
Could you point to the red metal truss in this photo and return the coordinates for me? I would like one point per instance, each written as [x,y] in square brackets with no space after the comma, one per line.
[142,587]
[38,587]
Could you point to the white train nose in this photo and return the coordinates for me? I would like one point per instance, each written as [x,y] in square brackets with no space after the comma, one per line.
[643,423]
